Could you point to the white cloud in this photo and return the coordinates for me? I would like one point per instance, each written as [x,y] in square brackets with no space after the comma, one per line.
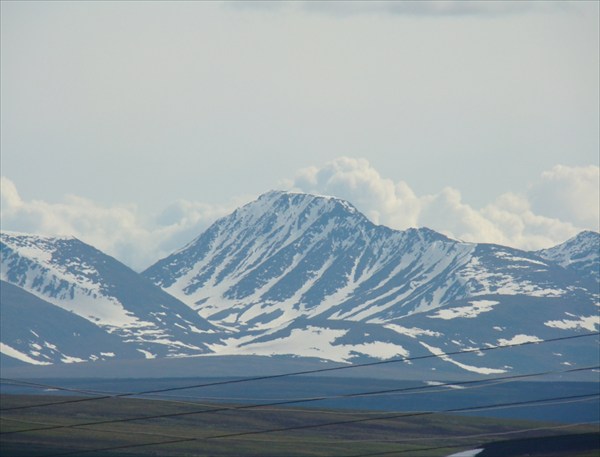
[381,199]
[447,213]
[558,205]
[120,231]
[568,193]
[521,227]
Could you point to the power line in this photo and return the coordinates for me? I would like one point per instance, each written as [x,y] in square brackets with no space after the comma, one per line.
[180,439]
[422,413]
[432,388]
[381,392]
[313,441]
[18,382]
[379,441]
[433,438]
[297,373]
[291,402]
[477,435]
[327,424]
[124,432]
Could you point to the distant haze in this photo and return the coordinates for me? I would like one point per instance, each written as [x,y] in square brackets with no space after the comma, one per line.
[134,125]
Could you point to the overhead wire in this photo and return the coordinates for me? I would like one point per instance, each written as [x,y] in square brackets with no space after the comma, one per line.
[288,402]
[543,401]
[123,432]
[382,392]
[477,383]
[323,441]
[357,441]
[23,383]
[427,389]
[424,389]
[477,435]
[432,438]
[296,373]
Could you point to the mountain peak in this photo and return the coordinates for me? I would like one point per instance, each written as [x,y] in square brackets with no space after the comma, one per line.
[287,211]
[39,247]
[6,235]
[289,197]
[587,234]
[300,274]
[580,253]
[295,268]
[72,277]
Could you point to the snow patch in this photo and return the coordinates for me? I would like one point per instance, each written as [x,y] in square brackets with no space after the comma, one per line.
[591,323]
[442,355]
[450,386]
[311,342]
[147,354]
[518,339]
[469,312]
[469,453]
[412,332]
[12,352]
[70,359]
[378,350]
[308,342]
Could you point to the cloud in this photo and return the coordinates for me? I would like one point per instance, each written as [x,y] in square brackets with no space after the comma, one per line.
[559,204]
[521,227]
[568,193]
[120,231]
[447,213]
[380,199]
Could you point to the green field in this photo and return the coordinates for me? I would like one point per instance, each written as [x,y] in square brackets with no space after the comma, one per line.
[206,434]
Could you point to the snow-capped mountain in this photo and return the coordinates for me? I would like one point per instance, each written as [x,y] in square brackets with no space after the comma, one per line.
[580,254]
[307,275]
[85,287]
[288,255]
[301,275]
[37,332]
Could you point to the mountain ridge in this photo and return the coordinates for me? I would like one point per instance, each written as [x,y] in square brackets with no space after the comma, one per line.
[292,268]
[81,280]
[250,264]
[300,275]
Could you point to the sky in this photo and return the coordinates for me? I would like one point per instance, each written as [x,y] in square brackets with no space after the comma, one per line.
[135,125]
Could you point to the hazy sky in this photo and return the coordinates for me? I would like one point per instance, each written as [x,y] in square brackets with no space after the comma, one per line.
[133,125]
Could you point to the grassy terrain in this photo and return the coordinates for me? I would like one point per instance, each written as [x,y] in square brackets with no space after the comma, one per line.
[424,435]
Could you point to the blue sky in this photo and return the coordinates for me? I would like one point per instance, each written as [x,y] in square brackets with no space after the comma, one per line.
[133,125]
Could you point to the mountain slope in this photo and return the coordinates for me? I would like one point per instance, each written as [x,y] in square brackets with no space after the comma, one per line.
[37,332]
[82,280]
[301,275]
[307,275]
[580,254]
[288,255]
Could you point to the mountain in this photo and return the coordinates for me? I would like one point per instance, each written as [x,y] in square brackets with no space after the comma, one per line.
[579,254]
[80,290]
[308,275]
[41,333]
[294,276]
